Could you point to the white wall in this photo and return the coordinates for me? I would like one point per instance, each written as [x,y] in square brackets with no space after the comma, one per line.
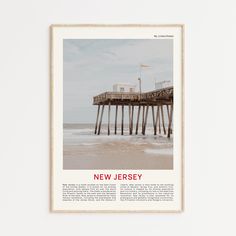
[126,87]
[210,159]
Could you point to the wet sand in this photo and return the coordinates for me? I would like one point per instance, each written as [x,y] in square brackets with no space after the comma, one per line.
[116,155]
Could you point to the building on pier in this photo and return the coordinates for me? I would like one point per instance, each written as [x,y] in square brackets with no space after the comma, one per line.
[163,84]
[124,87]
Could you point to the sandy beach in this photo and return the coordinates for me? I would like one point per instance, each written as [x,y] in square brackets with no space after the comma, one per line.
[83,149]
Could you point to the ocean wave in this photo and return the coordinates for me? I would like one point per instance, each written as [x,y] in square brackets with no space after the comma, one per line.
[161,144]
[85,137]
[89,144]
[159,151]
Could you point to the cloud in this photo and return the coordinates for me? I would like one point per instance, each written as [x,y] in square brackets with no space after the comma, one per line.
[92,66]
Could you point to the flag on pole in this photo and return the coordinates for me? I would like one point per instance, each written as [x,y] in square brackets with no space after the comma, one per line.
[144,66]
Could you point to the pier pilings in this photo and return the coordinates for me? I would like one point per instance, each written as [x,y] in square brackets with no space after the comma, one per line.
[160,103]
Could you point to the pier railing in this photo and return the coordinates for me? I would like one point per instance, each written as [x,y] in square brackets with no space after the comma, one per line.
[105,98]
[158,94]
[108,96]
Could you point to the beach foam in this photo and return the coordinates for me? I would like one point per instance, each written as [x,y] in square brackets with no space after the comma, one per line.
[168,151]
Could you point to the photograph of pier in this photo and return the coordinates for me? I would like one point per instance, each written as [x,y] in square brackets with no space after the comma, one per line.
[118,104]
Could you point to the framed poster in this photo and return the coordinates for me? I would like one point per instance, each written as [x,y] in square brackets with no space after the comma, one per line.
[117,118]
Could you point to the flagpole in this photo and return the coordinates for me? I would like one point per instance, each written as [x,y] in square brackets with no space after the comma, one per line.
[140,79]
[140,83]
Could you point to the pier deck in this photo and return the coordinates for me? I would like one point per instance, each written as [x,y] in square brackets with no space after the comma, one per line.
[156,97]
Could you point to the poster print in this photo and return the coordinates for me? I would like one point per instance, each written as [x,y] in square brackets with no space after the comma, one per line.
[117,118]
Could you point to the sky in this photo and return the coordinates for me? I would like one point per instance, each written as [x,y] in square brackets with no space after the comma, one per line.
[92,66]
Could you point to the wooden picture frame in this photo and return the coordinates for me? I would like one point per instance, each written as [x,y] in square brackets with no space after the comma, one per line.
[61,177]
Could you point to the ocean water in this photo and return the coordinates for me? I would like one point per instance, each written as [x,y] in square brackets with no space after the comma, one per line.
[85,150]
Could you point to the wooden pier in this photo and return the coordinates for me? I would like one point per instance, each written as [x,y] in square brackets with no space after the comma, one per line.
[157,101]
